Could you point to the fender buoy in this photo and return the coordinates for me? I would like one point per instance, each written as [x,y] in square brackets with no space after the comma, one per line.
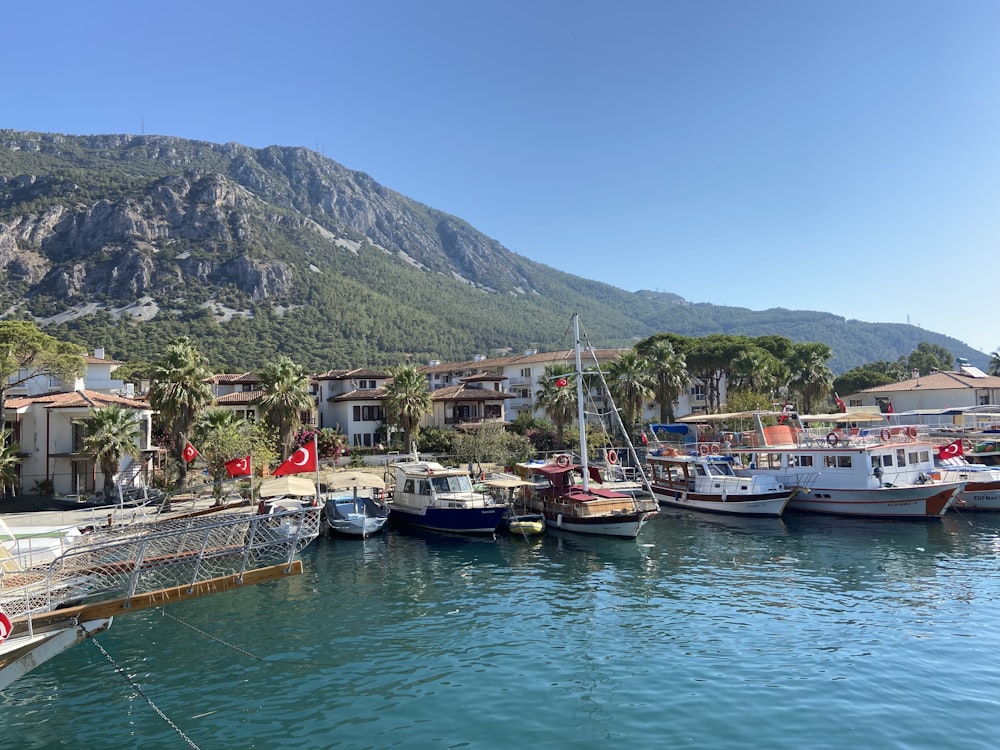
[885,435]
[703,449]
[911,432]
[715,449]
[832,439]
[562,461]
[612,457]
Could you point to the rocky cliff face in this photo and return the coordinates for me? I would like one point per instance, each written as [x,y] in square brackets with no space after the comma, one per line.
[169,218]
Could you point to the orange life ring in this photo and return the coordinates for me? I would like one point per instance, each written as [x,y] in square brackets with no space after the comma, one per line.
[885,435]
[832,439]
[612,456]
[714,447]
[703,449]
[911,432]
[562,461]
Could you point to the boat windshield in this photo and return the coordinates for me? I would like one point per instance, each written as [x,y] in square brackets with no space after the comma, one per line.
[455,483]
[721,469]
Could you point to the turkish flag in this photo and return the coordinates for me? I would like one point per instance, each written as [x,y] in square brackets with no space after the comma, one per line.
[238,467]
[303,460]
[562,383]
[190,453]
[951,450]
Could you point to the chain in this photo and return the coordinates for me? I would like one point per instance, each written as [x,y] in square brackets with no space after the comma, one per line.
[211,637]
[135,686]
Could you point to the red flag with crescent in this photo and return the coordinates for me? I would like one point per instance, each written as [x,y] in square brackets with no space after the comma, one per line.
[303,460]
[562,383]
[951,450]
[190,453]
[238,467]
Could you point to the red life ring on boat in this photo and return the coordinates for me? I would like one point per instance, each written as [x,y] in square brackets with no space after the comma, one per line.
[714,448]
[562,461]
[832,439]
[612,456]
[885,435]
[703,449]
[911,432]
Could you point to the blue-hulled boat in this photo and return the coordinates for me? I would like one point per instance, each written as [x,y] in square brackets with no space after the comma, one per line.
[430,496]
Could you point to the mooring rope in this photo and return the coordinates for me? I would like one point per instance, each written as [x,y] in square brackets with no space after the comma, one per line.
[138,689]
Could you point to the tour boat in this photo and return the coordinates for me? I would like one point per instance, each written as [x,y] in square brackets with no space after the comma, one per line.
[712,483]
[846,464]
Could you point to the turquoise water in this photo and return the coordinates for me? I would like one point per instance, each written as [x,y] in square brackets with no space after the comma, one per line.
[707,632]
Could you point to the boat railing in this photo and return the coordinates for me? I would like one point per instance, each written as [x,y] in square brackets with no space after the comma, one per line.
[834,437]
[129,560]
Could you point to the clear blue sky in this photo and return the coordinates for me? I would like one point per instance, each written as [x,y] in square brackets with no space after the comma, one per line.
[834,156]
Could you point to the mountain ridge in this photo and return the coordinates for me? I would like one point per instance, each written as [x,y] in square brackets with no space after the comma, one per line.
[123,241]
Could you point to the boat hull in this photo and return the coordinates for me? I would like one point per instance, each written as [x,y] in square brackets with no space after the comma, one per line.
[627,525]
[770,505]
[449,520]
[927,501]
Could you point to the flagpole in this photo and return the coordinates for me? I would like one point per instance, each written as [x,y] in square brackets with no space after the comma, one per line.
[251,476]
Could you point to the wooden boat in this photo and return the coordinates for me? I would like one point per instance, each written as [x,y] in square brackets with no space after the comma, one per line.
[46,609]
[847,464]
[430,496]
[712,484]
[582,509]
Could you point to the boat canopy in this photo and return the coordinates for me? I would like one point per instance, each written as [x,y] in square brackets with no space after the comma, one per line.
[676,429]
[345,480]
[289,485]
[860,415]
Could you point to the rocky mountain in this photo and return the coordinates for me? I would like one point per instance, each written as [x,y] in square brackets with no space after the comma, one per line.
[127,241]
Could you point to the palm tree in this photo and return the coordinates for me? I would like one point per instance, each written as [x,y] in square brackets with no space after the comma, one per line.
[9,460]
[179,392]
[407,401]
[112,434]
[631,383]
[669,371]
[811,378]
[284,398]
[556,396]
[995,363]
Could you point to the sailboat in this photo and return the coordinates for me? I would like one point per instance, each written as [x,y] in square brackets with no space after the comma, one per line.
[581,508]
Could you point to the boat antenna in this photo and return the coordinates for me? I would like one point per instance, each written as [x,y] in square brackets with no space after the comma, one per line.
[579,404]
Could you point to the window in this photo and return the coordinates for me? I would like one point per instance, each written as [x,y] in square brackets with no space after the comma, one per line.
[356,413]
[837,462]
[901,457]
[697,392]
[525,372]
[804,460]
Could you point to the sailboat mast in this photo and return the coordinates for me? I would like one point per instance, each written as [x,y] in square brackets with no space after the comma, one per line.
[579,404]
